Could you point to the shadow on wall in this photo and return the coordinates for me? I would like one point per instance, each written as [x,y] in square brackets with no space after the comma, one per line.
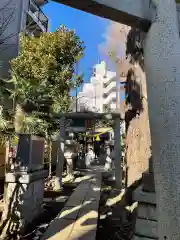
[134,47]
[133,98]
[11,223]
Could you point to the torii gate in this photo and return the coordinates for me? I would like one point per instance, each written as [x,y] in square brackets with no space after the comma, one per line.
[135,13]
[162,63]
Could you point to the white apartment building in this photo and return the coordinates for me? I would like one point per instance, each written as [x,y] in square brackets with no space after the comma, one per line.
[99,94]
[18,16]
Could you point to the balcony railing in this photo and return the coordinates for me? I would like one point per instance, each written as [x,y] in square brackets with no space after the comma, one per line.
[38,15]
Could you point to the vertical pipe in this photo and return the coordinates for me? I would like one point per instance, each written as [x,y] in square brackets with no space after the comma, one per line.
[76,100]
[76,87]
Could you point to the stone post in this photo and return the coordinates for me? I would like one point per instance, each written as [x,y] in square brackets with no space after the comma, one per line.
[24,184]
[54,152]
[108,161]
[60,156]
[117,153]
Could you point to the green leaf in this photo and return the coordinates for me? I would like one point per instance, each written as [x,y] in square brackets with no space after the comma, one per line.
[45,67]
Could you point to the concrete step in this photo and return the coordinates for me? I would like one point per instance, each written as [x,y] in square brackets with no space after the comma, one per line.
[141,196]
[146,228]
[148,182]
[147,211]
[142,238]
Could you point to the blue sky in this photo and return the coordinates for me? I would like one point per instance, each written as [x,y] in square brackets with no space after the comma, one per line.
[88,27]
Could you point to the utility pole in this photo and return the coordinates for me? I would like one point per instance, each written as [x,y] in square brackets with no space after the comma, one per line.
[117,93]
[76,87]
[95,94]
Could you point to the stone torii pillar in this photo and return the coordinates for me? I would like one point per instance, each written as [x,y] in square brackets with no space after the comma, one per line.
[162,65]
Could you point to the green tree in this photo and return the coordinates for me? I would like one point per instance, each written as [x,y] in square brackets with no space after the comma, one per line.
[45,69]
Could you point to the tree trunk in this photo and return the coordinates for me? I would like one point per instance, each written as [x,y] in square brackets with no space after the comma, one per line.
[162,62]
[50,155]
[60,156]
[138,140]
[19,119]
[69,167]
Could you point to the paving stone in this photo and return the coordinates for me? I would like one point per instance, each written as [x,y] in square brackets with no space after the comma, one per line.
[78,219]
[75,202]
[47,199]
[96,182]
[60,199]
[76,199]
[83,186]
[146,228]
[88,207]
[70,212]
[93,194]
[95,188]
[60,229]
[87,222]
[147,211]
[83,235]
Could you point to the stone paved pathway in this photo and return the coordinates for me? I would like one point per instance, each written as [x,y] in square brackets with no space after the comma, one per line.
[78,219]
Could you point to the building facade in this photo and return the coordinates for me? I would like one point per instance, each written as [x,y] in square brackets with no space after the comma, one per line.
[18,16]
[99,94]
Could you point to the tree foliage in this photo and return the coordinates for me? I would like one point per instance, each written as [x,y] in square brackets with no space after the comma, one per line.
[46,66]
[43,75]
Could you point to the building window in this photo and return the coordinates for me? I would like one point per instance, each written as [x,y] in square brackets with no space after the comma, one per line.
[105,85]
[105,95]
[94,72]
[105,108]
